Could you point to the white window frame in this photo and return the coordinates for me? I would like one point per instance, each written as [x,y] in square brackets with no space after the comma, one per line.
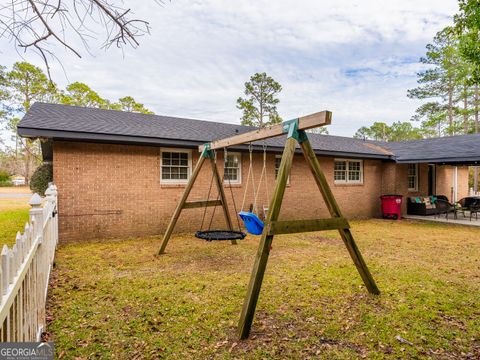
[347,181]
[415,177]
[189,169]
[239,180]
[276,170]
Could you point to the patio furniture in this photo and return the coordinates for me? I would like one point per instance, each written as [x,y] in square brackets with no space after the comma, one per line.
[474,209]
[420,207]
[465,204]
[444,207]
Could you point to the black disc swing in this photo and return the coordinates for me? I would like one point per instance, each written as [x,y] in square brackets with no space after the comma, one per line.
[217,235]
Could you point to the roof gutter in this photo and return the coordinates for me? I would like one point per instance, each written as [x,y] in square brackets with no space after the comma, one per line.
[441,161]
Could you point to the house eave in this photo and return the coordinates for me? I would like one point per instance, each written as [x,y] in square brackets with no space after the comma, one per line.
[60,135]
[442,161]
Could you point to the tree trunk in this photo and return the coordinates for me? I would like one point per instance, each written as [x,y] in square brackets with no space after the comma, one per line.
[465,108]
[476,105]
[27,166]
[450,109]
[475,112]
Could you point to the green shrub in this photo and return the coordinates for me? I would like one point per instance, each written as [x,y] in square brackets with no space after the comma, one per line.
[4,176]
[5,179]
[41,177]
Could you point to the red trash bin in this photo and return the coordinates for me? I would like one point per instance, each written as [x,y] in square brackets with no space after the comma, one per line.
[391,206]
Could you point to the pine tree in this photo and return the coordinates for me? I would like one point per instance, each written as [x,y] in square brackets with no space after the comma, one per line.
[260,104]
[25,84]
[439,85]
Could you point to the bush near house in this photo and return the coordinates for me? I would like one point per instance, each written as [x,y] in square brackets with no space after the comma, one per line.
[5,179]
[40,178]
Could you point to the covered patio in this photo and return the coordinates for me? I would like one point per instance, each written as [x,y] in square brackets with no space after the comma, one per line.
[445,164]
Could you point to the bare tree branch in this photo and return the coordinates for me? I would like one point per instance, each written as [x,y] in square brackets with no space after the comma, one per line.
[39,24]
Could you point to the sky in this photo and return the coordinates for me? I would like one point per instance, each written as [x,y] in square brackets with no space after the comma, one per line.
[354,58]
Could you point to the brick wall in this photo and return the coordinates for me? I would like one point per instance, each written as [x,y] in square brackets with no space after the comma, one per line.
[445,181]
[108,190]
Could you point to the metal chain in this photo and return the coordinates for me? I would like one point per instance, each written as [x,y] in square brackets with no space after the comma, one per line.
[263,176]
[250,174]
[206,204]
[231,190]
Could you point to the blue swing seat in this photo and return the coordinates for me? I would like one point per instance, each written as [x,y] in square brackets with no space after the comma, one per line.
[252,222]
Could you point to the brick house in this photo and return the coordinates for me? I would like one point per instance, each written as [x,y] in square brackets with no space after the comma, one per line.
[121,174]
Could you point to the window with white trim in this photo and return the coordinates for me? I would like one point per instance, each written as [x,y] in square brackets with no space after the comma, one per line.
[412,177]
[348,171]
[278,160]
[233,168]
[175,166]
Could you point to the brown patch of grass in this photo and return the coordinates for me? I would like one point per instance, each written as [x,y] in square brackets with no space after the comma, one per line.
[13,204]
[118,299]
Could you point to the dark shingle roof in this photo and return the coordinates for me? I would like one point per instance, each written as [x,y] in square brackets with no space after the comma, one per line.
[449,149]
[87,124]
[79,123]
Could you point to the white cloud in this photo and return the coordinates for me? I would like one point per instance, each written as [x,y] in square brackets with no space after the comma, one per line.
[356,58]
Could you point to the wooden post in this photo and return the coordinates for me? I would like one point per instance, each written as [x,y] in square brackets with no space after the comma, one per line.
[5,270]
[253,291]
[36,216]
[179,207]
[334,209]
[223,198]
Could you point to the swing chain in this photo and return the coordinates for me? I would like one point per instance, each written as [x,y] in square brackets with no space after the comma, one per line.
[208,195]
[225,155]
[263,177]
[250,174]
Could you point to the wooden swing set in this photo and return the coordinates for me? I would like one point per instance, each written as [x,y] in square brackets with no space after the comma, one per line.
[295,131]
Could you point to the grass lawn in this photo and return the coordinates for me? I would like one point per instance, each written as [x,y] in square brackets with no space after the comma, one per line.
[117,299]
[13,216]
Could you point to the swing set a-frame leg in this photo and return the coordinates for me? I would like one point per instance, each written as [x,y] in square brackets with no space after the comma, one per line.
[258,272]
[335,211]
[186,192]
[253,290]
[180,205]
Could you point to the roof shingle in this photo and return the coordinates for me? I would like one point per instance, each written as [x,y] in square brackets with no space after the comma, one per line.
[80,123]
[61,121]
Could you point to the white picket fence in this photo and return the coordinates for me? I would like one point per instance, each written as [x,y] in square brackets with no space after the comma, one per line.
[25,271]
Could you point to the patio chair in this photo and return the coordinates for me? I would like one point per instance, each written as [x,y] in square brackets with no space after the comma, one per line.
[474,209]
[464,205]
[444,207]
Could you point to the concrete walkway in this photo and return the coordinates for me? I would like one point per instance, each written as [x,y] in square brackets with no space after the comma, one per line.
[15,192]
[14,196]
[460,221]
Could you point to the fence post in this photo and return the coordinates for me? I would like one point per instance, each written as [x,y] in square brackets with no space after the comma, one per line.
[53,193]
[5,269]
[36,216]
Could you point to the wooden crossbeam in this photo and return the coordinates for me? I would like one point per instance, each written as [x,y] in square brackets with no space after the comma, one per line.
[300,226]
[201,203]
[305,122]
